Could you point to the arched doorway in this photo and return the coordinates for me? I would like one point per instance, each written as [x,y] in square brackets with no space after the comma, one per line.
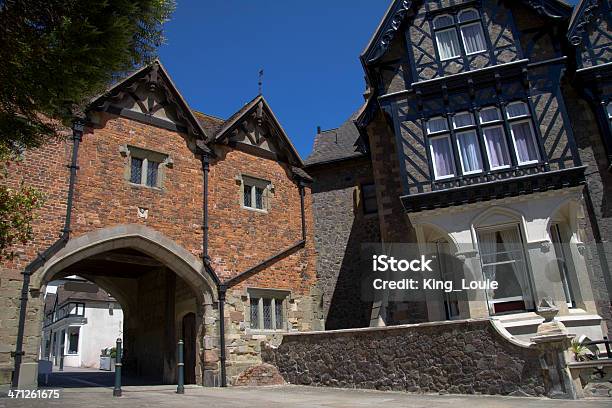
[155,280]
[189,337]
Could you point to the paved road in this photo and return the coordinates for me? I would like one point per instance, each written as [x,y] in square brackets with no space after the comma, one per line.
[282,397]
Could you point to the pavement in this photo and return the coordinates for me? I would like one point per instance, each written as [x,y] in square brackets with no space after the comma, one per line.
[78,387]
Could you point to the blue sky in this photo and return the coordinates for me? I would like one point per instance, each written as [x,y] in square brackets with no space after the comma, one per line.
[309,51]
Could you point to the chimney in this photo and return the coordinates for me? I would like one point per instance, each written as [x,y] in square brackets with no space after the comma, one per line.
[318,130]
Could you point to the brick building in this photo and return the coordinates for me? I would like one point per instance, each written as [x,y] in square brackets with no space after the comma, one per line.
[182,217]
[486,134]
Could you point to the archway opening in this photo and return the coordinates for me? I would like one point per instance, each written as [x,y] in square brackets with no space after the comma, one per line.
[158,307]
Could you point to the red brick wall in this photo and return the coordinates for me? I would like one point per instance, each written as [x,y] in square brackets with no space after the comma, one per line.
[239,238]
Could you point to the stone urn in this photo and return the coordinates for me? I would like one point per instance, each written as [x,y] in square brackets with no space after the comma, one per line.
[549,327]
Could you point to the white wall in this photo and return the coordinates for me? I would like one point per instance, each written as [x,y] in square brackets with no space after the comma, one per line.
[101,331]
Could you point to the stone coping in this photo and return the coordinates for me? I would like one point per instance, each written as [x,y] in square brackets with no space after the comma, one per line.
[388,328]
[606,362]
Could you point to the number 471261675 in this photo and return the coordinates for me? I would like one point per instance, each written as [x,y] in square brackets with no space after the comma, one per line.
[34,394]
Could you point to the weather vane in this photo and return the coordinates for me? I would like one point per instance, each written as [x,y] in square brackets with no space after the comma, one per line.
[260,83]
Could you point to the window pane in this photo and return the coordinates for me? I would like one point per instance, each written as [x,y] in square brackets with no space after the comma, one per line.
[517,109]
[497,148]
[502,260]
[469,151]
[436,125]
[524,142]
[73,342]
[610,110]
[255,313]
[278,313]
[442,156]
[136,171]
[448,44]
[468,15]
[267,313]
[462,120]
[489,115]
[259,193]
[152,173]
[443,21]
[247,195]
[473,38]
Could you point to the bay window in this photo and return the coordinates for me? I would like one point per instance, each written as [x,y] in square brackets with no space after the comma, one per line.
[502,259]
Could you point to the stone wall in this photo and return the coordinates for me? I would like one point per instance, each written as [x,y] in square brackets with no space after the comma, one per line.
[462,357]
[340,228]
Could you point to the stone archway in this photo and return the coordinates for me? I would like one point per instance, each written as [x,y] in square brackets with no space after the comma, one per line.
[176,271]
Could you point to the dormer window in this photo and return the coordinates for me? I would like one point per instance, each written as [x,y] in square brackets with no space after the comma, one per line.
[472,35]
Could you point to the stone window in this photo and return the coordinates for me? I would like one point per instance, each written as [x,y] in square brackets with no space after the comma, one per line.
[255,193]
[368,195]
[468,24]
[267,309]
[146,167]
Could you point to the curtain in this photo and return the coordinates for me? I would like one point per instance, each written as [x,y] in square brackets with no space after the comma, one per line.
[470,153]
[497,147]
[443,156]
[523,139]
[487,243]
[448,44]
[473,38]
[462,120]
[512,242]
[437,125]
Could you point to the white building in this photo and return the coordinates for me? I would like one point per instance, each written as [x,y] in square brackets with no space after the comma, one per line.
[81,319]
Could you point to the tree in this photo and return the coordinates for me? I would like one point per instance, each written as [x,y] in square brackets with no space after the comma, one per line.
[55,55]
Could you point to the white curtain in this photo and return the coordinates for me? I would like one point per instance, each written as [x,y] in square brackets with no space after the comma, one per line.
[497,147]
[488,251]
[448,44]
[473,39]
[512,242]
[443,156]
[525,145]
[470,153]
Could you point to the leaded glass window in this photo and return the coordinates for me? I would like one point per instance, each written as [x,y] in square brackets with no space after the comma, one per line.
[152,168]
[267,312]
[136,171]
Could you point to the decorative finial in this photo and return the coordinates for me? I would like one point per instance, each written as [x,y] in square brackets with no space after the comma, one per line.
[260,83]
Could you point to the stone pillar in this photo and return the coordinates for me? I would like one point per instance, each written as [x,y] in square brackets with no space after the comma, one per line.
[553,341]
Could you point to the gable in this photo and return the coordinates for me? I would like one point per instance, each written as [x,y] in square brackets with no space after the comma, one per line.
[149,96]
[590,31]
[401,10]
[255,128]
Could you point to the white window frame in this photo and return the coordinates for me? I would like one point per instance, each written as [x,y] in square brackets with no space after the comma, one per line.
[449,28]
[475,133]
[486,108]
[484,135]
[526,115]
[437,132]
[445,26]
[533,138]
[478,18]
[455,127]
[481,33]
[433,160]
[529,299]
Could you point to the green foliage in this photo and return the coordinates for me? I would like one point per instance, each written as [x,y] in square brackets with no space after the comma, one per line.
[109,352]
[55,55]
[17,206]
[580,351]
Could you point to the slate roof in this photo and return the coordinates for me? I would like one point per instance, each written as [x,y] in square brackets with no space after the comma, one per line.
[337,144]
